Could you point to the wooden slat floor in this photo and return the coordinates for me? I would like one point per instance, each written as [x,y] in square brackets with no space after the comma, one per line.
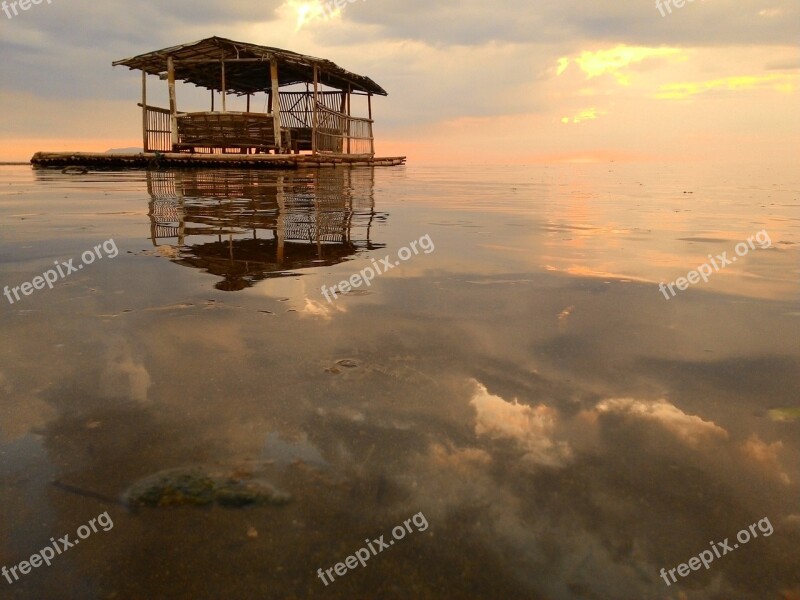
[155,160]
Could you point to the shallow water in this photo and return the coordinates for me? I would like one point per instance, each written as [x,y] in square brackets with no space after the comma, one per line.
[564,430]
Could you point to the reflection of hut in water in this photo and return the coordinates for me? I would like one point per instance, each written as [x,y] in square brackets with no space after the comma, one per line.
[249,226]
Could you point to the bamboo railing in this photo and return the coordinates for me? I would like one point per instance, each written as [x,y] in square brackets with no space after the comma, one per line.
[158,131]
[297,108]
[341,134]
[337,132]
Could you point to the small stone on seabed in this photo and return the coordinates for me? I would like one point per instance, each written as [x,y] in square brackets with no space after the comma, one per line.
[194,486]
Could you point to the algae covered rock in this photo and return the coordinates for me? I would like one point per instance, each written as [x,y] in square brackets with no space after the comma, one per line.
[249,493]
[195,486]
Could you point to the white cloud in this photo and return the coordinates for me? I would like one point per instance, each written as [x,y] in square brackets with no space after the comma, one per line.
[531,428]
[313,308]
[124,376]
[767,456]
[689,428]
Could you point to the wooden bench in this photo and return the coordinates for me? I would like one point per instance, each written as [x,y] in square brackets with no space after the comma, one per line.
[229,130]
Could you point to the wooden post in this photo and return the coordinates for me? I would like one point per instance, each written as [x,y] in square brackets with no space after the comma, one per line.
[224,86]
[248,102]
[371,133]
[144,110]
[347,120]
[173,103]
[212,100]
[314,127]
[276,103]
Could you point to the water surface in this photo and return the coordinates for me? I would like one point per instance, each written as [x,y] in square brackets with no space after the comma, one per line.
[565,430]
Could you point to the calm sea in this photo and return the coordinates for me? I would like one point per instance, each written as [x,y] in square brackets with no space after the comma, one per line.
[560,426]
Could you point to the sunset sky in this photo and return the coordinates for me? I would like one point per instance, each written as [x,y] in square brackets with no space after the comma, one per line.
[495,82]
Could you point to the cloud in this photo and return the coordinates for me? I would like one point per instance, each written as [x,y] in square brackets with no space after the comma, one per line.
[23,413]
[780,82]
[461,460]
[766,455]
[616,61]
[476,22]
[307,11]
[689,428]
[124,376]
[530,428]
[590,114]
[314,308]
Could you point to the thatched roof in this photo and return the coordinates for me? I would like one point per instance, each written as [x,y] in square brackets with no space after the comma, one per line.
[246,67]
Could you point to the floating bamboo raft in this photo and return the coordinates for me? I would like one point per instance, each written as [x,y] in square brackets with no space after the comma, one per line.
[158,160]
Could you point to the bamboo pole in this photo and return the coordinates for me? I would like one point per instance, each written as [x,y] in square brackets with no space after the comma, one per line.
[314,129]
[347,120]
[224,87]
[371,132]
[144,111]
[173,103]
[276,103]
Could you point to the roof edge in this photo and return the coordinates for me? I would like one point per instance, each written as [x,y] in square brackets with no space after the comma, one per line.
[141,62]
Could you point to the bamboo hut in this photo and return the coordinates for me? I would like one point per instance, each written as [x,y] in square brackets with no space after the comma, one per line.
[308,120]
